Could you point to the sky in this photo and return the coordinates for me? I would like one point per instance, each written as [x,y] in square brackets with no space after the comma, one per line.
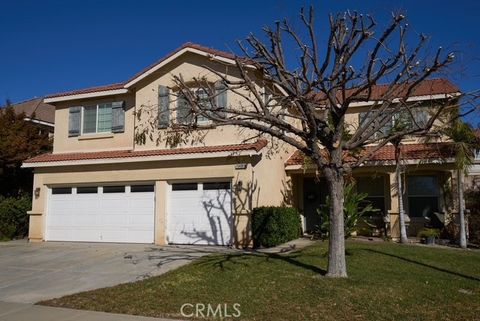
[51,46]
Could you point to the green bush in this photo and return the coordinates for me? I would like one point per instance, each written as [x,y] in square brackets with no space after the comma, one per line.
[355,207]
[13,217]
[272,226]
[428,232]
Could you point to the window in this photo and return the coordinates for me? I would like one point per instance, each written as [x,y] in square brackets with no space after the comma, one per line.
[113,189]
[423,195]
[184,187]
[216,185]
[97,119]
[205,103]
[374,187]
[141,188]
[87,190]
[365,117]
[62,190]
[418,118]
[185,112]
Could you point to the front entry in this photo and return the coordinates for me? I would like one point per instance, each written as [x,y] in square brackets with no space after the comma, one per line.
[314,196]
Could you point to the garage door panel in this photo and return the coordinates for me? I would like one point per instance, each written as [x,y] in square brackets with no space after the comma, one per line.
[98,217]
[84,220]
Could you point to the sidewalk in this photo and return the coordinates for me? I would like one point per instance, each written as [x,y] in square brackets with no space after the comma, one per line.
[29,312]
[294,245]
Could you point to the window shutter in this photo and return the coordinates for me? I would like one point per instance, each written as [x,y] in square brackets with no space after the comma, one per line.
[163,106]
[221,92]
[118,117]
[74,119]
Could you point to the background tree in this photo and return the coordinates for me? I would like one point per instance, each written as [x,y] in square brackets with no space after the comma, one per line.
[465,143]
[298,87]
[19,140]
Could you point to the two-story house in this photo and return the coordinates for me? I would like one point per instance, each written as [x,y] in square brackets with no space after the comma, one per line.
[101,185]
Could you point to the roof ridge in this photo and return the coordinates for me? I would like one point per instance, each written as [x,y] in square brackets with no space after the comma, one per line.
[187,44]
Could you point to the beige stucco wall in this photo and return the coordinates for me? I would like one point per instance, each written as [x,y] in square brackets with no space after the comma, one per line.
[263,182]
[189,66]
[93,142]
[250,187]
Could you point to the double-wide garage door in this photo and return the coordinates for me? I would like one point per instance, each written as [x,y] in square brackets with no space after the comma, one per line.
[197,213]
[122,213]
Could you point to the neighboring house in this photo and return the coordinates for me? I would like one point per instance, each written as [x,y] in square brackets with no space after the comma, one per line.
[38,112]
[100,185]
[473,178]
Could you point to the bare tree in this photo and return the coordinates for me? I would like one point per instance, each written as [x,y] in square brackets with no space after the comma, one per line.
[303,100]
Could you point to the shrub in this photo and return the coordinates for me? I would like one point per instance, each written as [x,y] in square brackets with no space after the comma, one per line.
[272,226]
[355,206]
[13,217]
[428,232]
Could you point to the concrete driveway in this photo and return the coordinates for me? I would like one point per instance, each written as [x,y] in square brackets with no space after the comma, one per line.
[31,272]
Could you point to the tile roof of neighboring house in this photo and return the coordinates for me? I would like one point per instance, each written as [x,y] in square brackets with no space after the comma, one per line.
[121,85]
[49,157]
[387,153]
[43,112]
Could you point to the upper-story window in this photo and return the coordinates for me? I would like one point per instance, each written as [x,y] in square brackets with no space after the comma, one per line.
[418,117]
[184,113]
[96,118]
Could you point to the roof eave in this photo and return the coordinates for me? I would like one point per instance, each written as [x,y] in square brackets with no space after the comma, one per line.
[154,158]
[96,94]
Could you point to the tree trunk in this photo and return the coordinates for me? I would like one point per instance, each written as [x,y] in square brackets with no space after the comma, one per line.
[337,267]
[461,209]
[401,211]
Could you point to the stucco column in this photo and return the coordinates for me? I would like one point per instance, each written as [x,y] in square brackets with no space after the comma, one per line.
[393,211]
[36,216]
[161,188]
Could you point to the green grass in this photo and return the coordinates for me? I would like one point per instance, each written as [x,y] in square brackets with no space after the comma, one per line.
[386,282]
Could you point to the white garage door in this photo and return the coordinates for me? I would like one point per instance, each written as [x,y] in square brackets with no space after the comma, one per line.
[200,213]
[101,214]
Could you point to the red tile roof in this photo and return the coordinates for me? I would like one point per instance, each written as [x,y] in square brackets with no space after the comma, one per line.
[192,45]
[87,90]
[387,153]
[427,87]
[121,85]
[49,157]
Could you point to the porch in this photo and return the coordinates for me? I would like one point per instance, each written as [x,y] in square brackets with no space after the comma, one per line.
[427,197]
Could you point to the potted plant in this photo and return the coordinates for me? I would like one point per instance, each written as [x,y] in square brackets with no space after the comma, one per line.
[429,235]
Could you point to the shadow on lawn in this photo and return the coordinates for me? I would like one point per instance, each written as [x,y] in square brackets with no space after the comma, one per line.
[424,264]
[242,258]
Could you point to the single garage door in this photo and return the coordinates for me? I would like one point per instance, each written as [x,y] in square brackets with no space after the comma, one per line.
[121,213]
[200,213]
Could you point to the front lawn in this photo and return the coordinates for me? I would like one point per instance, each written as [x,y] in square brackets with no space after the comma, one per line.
[386,282]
